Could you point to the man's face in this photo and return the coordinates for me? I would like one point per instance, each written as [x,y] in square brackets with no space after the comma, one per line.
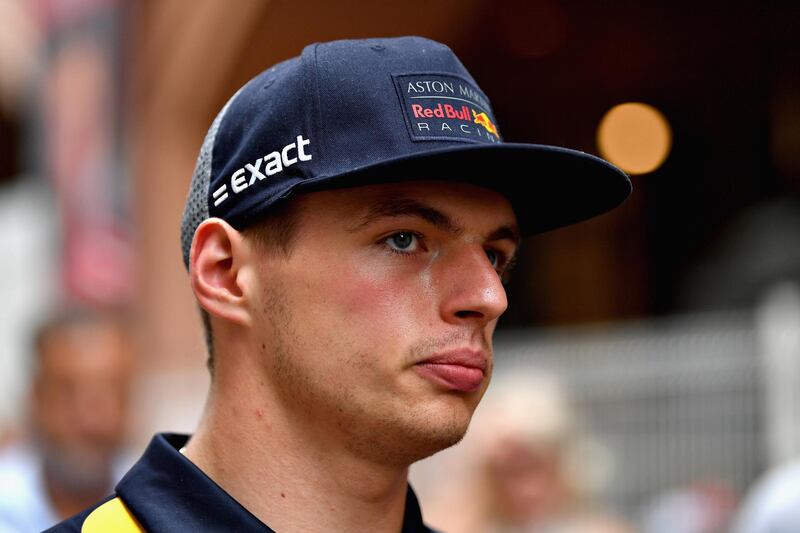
[80,401]
[377,328]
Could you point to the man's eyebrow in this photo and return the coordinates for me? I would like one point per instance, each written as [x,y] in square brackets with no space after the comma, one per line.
[399,207]
[505,232]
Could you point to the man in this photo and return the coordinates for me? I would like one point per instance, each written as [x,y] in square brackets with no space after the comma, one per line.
[79,414]
[348,226]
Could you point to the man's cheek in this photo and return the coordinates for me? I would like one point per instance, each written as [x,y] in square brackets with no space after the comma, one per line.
[378,294]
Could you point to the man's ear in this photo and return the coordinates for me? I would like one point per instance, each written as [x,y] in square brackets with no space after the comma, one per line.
[216,267]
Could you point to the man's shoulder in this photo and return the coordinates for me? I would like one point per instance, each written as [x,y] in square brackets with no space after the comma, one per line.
[165,492]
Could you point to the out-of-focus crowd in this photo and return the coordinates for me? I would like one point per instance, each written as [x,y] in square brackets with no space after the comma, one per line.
[526,465]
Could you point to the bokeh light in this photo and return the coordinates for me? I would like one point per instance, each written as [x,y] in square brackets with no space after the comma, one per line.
[634,136]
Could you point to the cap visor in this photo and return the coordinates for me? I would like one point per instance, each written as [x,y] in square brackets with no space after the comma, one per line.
[548,186]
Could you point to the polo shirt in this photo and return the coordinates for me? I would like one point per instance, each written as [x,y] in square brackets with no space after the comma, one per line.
[164,492]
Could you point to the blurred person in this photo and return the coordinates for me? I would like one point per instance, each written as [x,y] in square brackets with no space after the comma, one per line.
[350,221]
[773,504]
[704,506]
[81,375]
[529,468]
[19,44]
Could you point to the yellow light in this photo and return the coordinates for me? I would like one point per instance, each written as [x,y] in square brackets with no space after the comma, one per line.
[634,136]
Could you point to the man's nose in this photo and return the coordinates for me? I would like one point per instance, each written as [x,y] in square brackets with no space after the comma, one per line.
[471,288]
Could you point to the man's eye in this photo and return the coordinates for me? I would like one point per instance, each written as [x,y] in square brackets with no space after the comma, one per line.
[405,241]
[495,258]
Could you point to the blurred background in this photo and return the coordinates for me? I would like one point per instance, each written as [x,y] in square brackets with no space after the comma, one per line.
[652,354]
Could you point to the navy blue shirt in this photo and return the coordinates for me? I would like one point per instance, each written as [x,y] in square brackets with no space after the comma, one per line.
[166,493]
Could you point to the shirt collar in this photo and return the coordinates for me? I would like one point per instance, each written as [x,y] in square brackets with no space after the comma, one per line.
[167,493]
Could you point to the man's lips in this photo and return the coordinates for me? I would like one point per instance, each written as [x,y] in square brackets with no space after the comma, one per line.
[461,370]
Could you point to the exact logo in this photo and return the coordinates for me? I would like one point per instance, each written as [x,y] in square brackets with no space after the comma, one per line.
[273,163]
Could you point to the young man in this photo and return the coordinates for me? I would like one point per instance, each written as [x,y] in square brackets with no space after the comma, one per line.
[349,223]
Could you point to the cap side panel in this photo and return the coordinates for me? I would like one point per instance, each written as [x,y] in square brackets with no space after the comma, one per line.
[196,208]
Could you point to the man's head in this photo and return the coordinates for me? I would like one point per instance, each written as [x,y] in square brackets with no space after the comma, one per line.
[350,220]
[80,396]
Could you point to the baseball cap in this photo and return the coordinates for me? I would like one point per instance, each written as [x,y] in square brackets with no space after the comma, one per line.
[356,112]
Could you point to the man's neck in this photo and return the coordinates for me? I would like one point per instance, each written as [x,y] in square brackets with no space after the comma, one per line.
[289,477]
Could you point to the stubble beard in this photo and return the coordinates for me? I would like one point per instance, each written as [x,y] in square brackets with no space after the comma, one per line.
[381,432]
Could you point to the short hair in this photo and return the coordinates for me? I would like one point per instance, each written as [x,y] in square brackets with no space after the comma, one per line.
[74,317]
[273,234]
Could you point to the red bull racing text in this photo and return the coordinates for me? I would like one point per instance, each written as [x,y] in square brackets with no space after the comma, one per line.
[440,107]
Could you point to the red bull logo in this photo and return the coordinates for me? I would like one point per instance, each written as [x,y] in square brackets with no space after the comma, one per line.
[483,119]
[441,111]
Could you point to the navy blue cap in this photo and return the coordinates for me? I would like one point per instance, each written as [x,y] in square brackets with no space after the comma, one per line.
[356,112]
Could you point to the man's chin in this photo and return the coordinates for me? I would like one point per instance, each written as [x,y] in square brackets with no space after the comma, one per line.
[439,433]
[438,443]
[442,426]
[401,442]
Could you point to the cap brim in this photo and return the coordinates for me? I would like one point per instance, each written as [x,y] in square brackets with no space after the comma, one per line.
[548,186]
